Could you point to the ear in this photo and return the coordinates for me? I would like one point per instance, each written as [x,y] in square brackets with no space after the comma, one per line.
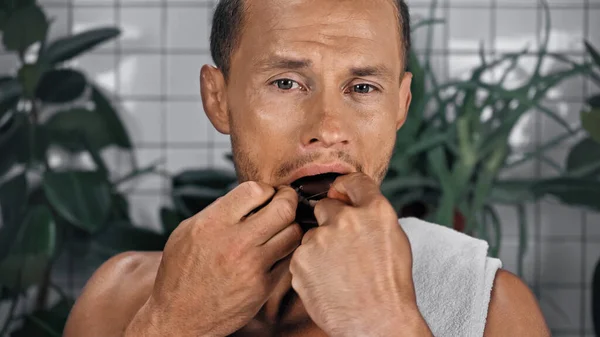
[405,99]
[214,97]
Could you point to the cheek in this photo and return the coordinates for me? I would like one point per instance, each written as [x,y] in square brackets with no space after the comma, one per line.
[377,137]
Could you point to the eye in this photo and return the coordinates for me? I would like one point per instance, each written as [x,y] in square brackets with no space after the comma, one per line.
[286,84]
[363,88]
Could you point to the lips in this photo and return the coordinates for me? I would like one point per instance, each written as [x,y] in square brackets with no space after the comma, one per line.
[311,188]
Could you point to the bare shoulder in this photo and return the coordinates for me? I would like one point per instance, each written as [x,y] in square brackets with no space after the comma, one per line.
[513,309]
[113,295]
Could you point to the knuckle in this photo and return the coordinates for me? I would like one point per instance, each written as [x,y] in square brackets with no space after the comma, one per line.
[321,237]
[296,284]
[380,204]
[309,235]
[253,189]
[344,218]
[294,262]
[319,206]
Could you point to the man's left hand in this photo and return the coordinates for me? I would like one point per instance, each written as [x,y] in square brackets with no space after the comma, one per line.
[353,273]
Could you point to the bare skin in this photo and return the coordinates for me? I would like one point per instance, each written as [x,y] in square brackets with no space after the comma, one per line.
[312,82]
[129,278]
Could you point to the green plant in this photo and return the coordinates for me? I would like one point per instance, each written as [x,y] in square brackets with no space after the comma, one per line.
[447,166]
[194,189]
[590,120]
[50,208]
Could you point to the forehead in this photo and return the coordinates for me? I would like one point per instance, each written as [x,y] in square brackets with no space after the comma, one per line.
[358,29]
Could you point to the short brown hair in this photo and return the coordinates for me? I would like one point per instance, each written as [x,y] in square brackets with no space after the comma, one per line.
[227,25]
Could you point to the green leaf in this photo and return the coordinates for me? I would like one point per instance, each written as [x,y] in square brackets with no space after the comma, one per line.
[46,323]
[3,19]
[113,122]
[31,250]
[584,159]
[25,27]
[29,75]
[414,119]
[190,200]
[438,165]
[14,141]
[61,86]
[497,228]
[593,53]
[66,48]
[396,184]
[523,235]
[22,144]
[594,102]
[512,191]
[82,198]
[580,192]
[12,5]
[122,237]
[68,128]
[170,219]
[120,208]
[591,123]
[13,198]
[10,93]
[425,144]
[210,178]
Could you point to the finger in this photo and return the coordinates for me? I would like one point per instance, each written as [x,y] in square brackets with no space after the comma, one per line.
[282,244]
[358,188]
[327,208]
[274,217]
[279,270]
[309,235]
[244,198]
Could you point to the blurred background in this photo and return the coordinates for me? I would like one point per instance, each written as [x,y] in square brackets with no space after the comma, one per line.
[104,145]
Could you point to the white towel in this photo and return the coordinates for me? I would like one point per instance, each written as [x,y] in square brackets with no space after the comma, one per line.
[453,278]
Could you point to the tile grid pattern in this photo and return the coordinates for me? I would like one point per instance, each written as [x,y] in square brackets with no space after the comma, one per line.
[152,71]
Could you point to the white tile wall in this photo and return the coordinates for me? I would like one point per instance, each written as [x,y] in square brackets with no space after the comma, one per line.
[154,70]
[560,262]
[516,29]
[179,159]
[100,68]
[561,308]
[188,27]
[143,120]
[142,28]
[183,74]
[469,28]
[187,123]
[140,75]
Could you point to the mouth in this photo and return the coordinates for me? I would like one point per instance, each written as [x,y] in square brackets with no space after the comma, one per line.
[310,189]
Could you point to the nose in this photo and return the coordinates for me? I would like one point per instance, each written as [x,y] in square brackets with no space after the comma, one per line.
[327,123]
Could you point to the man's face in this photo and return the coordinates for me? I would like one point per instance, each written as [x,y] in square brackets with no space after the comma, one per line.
[312,82]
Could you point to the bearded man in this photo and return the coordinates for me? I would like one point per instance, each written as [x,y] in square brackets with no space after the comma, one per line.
[312,93]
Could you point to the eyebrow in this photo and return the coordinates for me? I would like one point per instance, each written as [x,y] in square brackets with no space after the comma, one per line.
[285,63]
[380,70]
[278,62]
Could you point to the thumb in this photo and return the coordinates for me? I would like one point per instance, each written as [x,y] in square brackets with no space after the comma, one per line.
[355,189]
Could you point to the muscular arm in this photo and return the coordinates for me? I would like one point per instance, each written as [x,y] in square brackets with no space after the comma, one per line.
[113,295]
[513,309]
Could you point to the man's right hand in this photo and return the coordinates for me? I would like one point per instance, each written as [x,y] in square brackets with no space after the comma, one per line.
[220,266]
